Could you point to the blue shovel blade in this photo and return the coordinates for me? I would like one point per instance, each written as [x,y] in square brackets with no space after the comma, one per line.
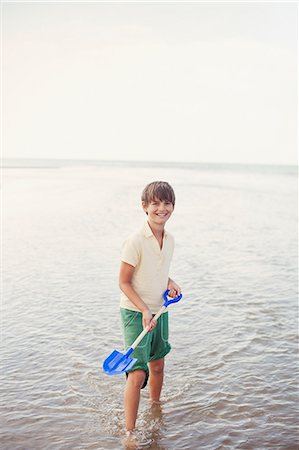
[118,363]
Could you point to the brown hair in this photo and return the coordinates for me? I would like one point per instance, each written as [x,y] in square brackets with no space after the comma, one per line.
[158,190]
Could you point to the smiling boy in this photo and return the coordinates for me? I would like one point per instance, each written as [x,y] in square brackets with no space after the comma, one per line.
[144,276]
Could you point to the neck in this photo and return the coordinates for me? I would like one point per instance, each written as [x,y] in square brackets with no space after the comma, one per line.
[158,230]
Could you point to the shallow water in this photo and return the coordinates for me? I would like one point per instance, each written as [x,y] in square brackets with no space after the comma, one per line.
[231,377]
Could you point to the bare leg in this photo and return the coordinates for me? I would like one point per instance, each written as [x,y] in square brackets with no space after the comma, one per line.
[156,379]
[132,397]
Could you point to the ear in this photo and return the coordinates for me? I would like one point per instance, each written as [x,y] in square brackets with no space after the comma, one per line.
[144,207]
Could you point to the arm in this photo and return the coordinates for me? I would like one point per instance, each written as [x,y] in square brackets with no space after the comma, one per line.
[125,284]
[174,289]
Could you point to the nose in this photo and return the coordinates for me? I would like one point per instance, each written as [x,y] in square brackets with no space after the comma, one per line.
[162,208]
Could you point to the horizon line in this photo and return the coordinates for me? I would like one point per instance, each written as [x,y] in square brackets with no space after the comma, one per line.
[150,161]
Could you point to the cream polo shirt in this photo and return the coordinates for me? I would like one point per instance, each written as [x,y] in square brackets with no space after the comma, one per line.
[150,278]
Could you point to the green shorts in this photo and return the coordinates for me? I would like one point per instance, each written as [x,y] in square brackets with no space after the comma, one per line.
[153,346]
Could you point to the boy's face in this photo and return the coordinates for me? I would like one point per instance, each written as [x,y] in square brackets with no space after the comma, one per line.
[158,211]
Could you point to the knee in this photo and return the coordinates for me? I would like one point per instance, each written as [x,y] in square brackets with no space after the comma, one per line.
[157,367]
[136,378]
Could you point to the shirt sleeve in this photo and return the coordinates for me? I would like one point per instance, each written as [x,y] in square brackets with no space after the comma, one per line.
[130,252]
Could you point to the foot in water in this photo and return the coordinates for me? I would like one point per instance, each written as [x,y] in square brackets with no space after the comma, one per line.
[136,439]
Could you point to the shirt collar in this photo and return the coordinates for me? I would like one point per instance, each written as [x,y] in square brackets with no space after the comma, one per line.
[147,231]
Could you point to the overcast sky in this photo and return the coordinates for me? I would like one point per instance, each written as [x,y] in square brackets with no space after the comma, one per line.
[207,82]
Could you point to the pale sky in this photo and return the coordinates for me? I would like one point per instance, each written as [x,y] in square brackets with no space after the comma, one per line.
[176,81]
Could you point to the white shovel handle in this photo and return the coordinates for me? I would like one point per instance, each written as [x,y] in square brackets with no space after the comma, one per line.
[141,335]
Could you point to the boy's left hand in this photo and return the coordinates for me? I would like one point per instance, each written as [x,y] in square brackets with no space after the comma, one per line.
[174,289]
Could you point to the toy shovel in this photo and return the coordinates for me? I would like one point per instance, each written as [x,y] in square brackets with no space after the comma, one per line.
[118,362]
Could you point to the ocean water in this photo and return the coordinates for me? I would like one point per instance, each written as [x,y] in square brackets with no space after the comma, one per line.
[232,376]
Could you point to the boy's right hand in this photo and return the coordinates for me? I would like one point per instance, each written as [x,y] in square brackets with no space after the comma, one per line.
[147,320]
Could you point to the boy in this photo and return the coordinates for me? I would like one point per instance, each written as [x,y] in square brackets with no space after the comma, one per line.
[143,278]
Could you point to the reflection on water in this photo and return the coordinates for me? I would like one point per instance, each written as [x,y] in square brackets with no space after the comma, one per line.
[231,376]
